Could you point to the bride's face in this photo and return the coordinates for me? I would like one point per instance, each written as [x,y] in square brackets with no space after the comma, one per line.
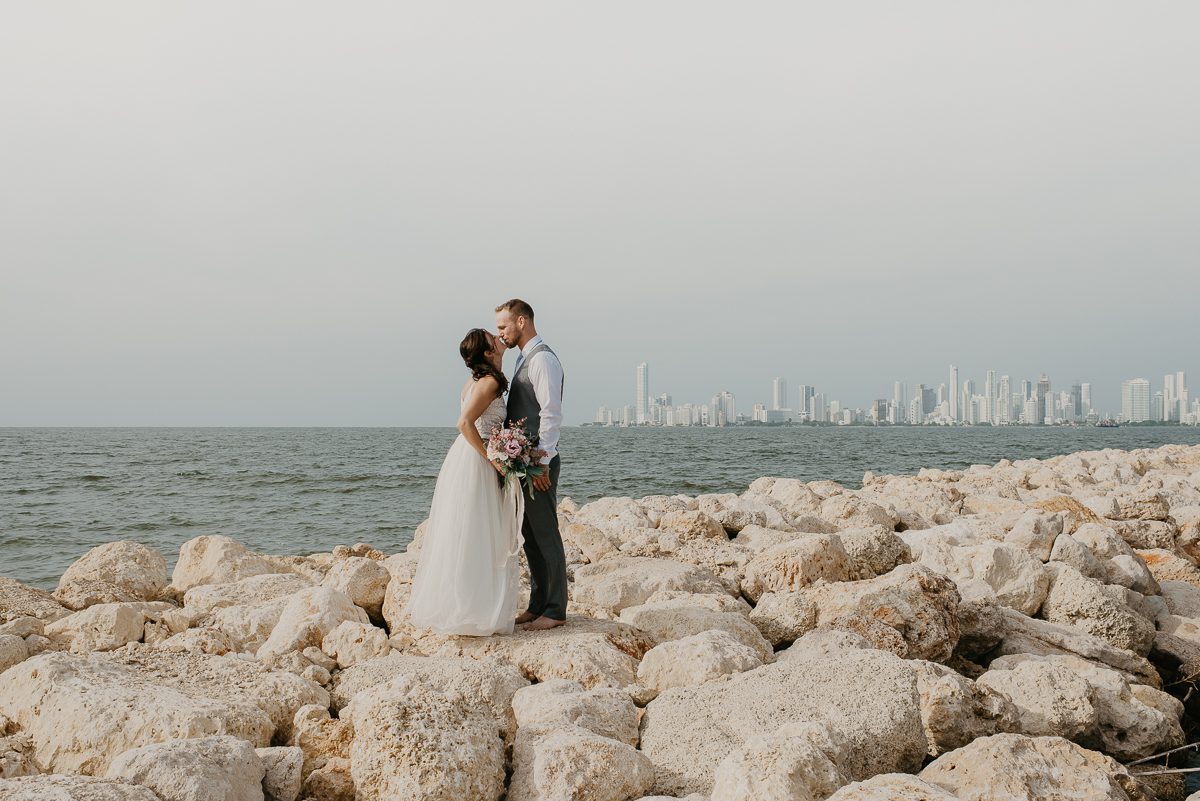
[496,348]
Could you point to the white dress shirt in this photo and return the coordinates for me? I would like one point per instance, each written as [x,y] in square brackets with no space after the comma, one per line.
[546,375]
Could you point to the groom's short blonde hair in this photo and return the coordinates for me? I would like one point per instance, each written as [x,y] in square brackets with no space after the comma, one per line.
[517,307]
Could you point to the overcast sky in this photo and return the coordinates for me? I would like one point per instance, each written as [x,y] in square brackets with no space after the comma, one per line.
[232,213]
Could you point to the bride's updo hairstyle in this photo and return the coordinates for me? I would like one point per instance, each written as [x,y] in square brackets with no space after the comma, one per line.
[473,350]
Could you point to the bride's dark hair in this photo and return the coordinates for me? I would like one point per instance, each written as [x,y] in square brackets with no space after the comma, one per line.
[473,350]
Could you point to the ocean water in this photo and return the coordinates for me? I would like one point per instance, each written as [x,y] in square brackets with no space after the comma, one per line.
[301,490]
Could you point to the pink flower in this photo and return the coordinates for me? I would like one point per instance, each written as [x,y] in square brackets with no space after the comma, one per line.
[513,449]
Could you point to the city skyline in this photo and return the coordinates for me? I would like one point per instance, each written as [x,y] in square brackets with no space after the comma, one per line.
[1038,402]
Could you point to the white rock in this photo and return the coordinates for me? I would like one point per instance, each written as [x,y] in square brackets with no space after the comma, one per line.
[19,600]
[52,787]
[689,525]
[411,741]
[216,560]
[695,659]
[283,766]
[363,580]
[873,551]
[674,620]
[997,569]
[102,627]
[620,581]
[113,572]
[605,711]
[248,592]
[307,617]
[1182,598]
[1035,532]
[350,643]
[796,564]
[784,617]
[798,762]
[1020,768]
[1050,698]
[13,650]
[218,768]
[557,762]
[892,787]
[1079,601]
[955,710]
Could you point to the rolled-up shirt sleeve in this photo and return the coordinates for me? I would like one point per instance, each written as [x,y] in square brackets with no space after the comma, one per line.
[546,375]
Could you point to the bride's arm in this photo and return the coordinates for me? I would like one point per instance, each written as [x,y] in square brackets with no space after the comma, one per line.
[485,390]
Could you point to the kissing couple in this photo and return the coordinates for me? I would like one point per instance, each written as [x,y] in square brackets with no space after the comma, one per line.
[468,577]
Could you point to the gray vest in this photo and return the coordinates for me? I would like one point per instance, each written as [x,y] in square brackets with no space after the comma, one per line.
[522,401]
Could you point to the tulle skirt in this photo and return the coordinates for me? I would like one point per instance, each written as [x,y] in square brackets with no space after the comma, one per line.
[468,575]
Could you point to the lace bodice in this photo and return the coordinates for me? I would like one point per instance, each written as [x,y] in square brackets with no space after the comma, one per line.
[495,414]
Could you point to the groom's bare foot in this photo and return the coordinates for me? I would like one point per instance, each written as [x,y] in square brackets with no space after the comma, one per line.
[525,617]
[543,623]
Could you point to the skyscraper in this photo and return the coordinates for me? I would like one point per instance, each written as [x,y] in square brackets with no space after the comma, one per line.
[1077,400]
[779,395]
[805,409]
[1043,394]
[955,412]
[1181,395]
[1135,400]
[643,393]
[1085,394]
[898,402]
[1004,403]
[989,393]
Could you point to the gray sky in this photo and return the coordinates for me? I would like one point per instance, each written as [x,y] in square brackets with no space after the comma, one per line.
[230,213]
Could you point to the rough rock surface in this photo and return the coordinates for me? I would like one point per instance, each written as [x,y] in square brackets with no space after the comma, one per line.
[561,762]
[621,581]
[216,560]
[956,710]
[111,573]
[307,618]
[796,564]
[892,787]
[283,776]
[220,768]
[674,620]
[797,762]
[696,659]
[868,697]
[1081,602]
[350,643]
[784,617]
[1013,766]
[364,581]
[21,600]
[605,711]
[57,787]
[102,627]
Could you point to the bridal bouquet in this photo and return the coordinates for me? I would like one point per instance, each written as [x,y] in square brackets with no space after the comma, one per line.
[517,454]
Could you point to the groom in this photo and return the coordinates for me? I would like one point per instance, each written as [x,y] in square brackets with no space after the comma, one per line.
[535,394]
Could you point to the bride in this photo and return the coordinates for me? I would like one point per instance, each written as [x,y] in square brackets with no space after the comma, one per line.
[468,576]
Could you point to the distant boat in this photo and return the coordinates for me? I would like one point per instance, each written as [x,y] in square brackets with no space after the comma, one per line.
[1108,424]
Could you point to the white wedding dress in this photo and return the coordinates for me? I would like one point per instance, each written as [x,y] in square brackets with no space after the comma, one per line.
[468,576]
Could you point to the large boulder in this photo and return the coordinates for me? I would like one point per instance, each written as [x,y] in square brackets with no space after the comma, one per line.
[873,551]
[1082,602]
[869,698]
[248,592]
[20,600]
[1119,563]
[350,643]
[892,787]
[364,581]
[956,710]
[1021,768]
[694,660]
[784,617]
[595,653]
[796,564]
[673,620]
[605,711]
[561,762]
[307,618]
[102,627]
[622,581]
[83,710]
[413,741]
[485,682]
[112,573]
[920,605]
[13,649]
[214,559]
[1001,570]
[796,762]
[847,510]
[55,787]
[219,768]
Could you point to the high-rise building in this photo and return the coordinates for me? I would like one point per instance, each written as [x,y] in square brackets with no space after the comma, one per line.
[1043,394]
[1085,396]
[916,415]
[818,407]
[955,412]
[898,402]
[929,399]
[878,411]
[643,394]
[964,401]
[989,392]
[1135,400]
[779,395]
[1004,403]
[1181,395]
[1170,404]
[1158,407]
[805,409]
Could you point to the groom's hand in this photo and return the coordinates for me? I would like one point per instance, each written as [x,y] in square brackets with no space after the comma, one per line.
[542,483]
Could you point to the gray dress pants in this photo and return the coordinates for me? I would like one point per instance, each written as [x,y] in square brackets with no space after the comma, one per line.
[544,550]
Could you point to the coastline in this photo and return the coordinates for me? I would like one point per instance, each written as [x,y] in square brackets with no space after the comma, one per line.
[949,632]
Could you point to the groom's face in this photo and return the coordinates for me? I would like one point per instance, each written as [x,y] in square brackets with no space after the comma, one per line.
[508,327]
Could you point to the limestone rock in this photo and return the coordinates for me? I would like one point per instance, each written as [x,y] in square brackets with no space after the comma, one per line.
[1119,563]
[850,511]
[892,787]
[23,626]
[796,564]
[283,778]
[20,600]
[695,659]
[1170,566]
[219,768]
[140,695]
[363,581]
[54,787]
[917,603]
[1050,698]
[798,762]
[1071,551]
[823,641]
[350,643]
[956,710]
[1182,598]
[1021,768]
[216,560]
[605,711]
[556,762]
[873,552]
[673,620]
[621,581]
[1035,532]
[613,514]
[1147,533]
[999,569]
[690,525]
[412,741]
[114,572]
[102,627]
[1079,601]
[307,618]
[201,640]
[784,617]
[594,542]
[484,682]
[868,697]
[13,650]
[248,592]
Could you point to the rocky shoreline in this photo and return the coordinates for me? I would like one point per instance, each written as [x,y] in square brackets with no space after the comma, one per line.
[1023,630]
